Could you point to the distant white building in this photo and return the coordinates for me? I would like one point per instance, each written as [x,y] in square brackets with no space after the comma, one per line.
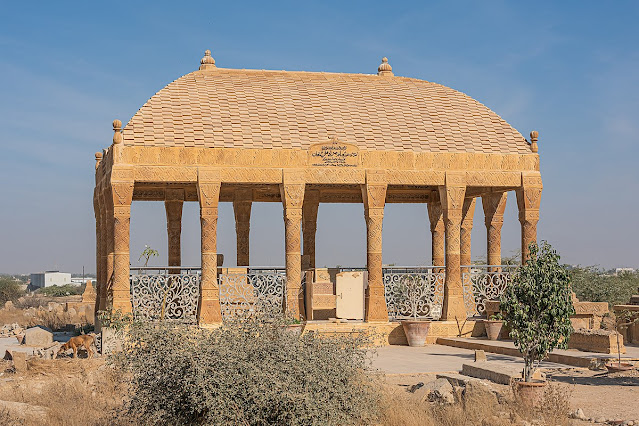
[80,280]
[624,270]
[49,278]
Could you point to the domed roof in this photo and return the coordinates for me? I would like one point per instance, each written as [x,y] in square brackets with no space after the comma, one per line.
[227,108]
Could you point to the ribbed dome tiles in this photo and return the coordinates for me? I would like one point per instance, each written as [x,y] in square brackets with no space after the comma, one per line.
[228,108]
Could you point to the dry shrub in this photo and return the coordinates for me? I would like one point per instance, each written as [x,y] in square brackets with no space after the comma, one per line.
[13,316]
[249,372]
[76,392]
[400,408]
[34,301]
[475,406]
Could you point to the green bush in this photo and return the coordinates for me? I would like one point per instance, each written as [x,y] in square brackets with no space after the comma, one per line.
[62,290]
[592,285]
[252,372]
[9,290]
[537,306]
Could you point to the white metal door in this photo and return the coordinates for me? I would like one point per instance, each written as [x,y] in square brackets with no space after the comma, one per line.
[350,289]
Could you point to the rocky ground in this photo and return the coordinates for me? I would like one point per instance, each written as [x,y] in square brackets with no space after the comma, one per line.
[593,396]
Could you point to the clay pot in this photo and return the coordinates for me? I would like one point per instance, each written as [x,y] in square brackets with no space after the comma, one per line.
[493,328]
[530,394]
[616,367]
[294,329]
[416,331]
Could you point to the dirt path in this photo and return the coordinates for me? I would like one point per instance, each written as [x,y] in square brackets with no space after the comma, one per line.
[598,394]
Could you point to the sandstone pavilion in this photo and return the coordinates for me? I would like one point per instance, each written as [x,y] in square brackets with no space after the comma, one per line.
[300,139]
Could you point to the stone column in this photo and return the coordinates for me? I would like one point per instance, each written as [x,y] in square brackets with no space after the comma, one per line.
[309,227]
[174,200]
[98,246]
[437,230]
[242,209]
[468,211]
[106,293]
[208,188]
[374,197]
[452,202]
[465,259]
[528,201]
[122,194]
[292,192]
[494,204]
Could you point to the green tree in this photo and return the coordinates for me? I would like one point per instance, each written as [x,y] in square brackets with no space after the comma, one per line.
[147,254]
[62,290]
[9,290]
[537,306]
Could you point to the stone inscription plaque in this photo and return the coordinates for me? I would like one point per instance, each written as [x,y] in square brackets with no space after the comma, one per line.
[333,154]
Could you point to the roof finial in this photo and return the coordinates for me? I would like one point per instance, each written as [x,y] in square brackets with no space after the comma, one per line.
[117,131]
[207,61]
[534,136]
[98,158]
[385,68]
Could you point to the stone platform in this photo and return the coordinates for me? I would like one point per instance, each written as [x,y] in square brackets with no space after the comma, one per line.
[392,333]
[568,357]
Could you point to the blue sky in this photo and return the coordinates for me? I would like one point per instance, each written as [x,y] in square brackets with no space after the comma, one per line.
[567,69]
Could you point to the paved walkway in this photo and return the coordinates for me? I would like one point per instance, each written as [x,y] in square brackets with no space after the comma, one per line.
[571,357]
[435,359]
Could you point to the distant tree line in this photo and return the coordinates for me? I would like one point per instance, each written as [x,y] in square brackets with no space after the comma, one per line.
[595,285]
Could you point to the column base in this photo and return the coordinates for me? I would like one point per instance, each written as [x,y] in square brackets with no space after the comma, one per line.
[454,308]
[209,312]
[376,310]
[123,306]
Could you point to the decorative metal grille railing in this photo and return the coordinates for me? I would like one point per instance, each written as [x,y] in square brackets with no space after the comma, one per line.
[484,282]
[156,293]
[260,290]
[414,290]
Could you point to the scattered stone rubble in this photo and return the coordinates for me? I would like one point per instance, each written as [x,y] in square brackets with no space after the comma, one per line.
[451,388]
[11,330]
[578,414]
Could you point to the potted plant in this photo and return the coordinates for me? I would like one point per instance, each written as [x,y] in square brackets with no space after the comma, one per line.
[415,329]
[293,326]
[537,307]
[623,319]
[493,326]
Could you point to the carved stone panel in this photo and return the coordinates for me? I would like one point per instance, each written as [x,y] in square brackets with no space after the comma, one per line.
[333,153]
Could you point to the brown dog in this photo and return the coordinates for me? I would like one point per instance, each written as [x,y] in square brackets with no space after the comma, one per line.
[77,342]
